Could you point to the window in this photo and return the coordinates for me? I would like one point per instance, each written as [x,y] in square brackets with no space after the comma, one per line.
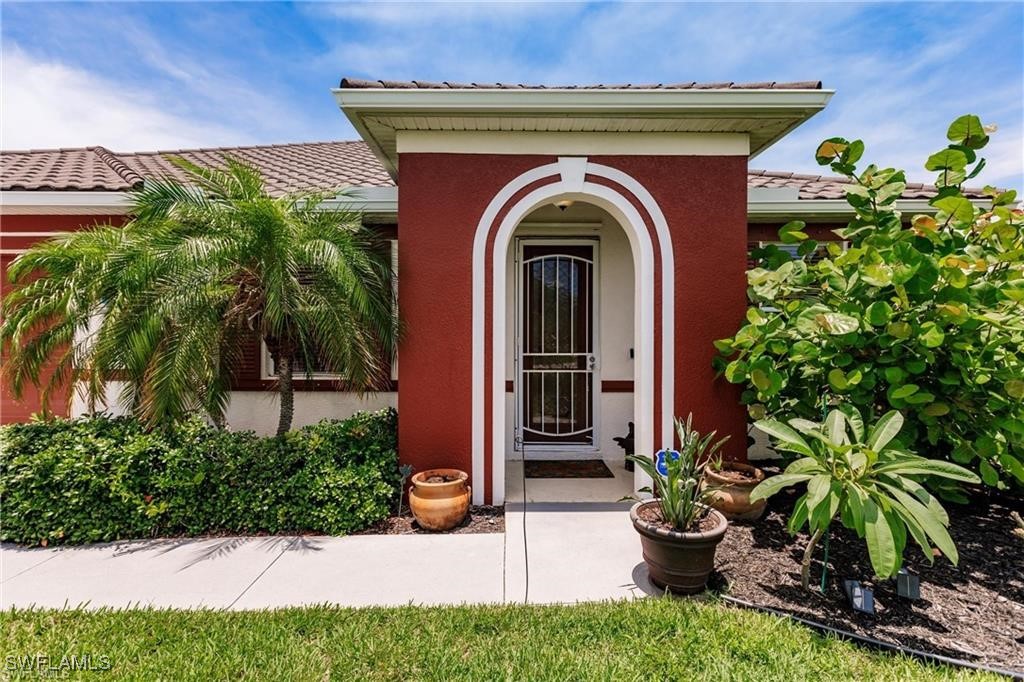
[319,369]
[763,250]
[772,251]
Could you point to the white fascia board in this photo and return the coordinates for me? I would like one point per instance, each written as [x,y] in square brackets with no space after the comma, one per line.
[368,200]
[577,144]
[355,118]
[38,202]
[767,210]
[763,204]
[355,102]
[577,100]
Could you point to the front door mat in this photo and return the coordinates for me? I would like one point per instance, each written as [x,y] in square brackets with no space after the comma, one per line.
[567,468]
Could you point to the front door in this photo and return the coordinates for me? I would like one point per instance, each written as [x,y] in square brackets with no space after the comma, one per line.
[556,334]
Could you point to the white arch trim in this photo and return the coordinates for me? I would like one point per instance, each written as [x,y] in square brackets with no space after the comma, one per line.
[643,267]
[571,172]
[668,289]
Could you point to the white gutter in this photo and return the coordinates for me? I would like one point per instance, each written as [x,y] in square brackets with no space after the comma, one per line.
[578,100]
[381,201]
[823,209]
[763,204]
[71,203]
[371,200]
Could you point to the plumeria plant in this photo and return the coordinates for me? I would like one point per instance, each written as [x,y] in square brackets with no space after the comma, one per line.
[868,479]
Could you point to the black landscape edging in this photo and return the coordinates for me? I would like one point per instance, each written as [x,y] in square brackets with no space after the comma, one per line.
[874,643]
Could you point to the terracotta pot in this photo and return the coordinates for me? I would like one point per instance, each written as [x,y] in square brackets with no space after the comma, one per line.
[440,505]
[732,497]
[678,561]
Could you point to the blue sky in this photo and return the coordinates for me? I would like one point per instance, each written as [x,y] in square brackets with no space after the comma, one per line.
[139,76]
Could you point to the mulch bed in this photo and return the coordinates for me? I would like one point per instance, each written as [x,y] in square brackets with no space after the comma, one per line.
[973,612]
[481,519]
[567,468]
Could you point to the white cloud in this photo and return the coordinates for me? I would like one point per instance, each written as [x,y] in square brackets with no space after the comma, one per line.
[898,83]
[1004,159]
[421,13]
[482,42]
[51,104]
[204,85]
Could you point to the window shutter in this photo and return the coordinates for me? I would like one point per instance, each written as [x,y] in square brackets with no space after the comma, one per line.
[247,375]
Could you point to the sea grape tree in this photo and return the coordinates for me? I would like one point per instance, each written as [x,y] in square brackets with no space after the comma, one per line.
[923,315]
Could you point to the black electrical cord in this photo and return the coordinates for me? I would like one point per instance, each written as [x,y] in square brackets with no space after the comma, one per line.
[526,551]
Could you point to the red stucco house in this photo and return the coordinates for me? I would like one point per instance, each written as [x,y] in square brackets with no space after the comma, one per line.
[565,256]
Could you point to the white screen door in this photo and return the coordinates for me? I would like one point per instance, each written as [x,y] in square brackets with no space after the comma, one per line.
[556,342]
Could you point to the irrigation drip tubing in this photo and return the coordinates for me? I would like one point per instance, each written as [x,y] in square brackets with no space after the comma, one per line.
[875,643]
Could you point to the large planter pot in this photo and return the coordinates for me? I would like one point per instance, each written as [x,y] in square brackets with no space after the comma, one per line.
[439,498]
[680,562]
[732,492]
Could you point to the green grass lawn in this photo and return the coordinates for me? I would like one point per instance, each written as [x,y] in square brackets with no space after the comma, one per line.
[653,639]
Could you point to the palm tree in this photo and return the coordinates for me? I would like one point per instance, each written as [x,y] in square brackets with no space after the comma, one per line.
[167,303]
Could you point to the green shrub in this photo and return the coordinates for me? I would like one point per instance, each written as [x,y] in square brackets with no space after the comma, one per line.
[926,319]
[100,479]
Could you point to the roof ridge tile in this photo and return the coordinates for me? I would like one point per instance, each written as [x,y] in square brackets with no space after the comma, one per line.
[363,83]
[126,172]
[268,145]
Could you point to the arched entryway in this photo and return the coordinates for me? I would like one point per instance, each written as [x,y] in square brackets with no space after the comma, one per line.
[634,210]
[570,305]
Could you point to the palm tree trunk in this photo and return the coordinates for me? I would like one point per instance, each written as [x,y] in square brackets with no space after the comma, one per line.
[287,393]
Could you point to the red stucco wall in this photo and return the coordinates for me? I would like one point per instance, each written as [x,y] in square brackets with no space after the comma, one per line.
[704,200]
[441,199]
[12,410]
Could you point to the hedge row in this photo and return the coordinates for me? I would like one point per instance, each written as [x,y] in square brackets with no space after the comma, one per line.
[100,479]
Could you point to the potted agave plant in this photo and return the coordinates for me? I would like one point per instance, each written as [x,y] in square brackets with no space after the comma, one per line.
[679,531]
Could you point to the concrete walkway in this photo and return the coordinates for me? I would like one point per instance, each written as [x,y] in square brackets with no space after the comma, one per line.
[584,551]
[245,573]
[575,552]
